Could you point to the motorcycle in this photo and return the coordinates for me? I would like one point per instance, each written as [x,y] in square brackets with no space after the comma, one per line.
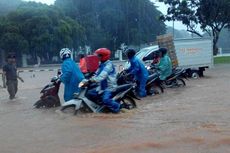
[176,79]
[123,94]
[49,94]
[153,84]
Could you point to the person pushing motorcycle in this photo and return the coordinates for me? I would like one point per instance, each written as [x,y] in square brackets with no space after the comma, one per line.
[137,68]
[71,74]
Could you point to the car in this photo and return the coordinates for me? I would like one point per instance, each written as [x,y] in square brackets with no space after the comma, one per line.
[145,54]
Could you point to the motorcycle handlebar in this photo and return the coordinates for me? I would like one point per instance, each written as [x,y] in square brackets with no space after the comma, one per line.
[55,79]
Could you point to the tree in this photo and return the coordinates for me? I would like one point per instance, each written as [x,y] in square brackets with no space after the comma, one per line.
[7,6]
[224,40]
[211,15]
[108,23]
[39,30]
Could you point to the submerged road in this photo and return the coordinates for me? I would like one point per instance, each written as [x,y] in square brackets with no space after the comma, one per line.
[193,119]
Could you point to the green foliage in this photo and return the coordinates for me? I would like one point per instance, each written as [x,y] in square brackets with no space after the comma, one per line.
[7,6]
[41,30]
[109,23]
[211,15]
[222,60]
[13,42]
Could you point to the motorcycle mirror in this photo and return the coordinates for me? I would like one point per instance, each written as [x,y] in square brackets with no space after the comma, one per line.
[54,79]
[59,72]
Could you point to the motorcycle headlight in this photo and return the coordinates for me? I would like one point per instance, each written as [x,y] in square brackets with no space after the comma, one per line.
[81,84]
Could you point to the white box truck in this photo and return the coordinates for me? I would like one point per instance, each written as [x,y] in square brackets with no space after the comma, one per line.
[194,54]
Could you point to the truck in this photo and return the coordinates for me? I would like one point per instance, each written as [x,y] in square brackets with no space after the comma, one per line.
[193,54]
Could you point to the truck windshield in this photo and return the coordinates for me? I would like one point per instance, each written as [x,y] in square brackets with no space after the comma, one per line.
[146,51]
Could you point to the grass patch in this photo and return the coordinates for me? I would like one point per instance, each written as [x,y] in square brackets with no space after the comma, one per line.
[222,60]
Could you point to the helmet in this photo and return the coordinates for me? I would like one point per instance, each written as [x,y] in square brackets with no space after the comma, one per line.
[104,53]
[163,51]
[130,53]
[65,53]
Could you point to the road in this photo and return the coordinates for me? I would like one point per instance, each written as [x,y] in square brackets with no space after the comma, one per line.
[193,119]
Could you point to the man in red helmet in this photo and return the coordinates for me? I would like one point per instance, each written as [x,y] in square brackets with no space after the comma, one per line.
[106,77]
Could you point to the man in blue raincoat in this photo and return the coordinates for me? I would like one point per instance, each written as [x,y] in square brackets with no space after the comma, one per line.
[71,74]
[139,71]
[165,64]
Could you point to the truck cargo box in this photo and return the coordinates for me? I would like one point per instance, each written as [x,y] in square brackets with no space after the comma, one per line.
[194,52]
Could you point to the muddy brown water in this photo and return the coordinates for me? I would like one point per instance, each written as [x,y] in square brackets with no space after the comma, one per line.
[193,119]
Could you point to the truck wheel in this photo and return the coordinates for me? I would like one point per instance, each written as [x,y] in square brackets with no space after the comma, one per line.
[195,75]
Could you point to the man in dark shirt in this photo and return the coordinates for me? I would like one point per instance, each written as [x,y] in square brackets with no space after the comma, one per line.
[10,72]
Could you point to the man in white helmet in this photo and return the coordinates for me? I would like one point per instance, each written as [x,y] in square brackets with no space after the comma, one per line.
[71,74]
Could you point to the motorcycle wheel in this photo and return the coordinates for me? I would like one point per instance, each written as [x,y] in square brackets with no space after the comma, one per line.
[180,82]
[155,90]
[52,101]
[38,104]
[70,109]
[129,102]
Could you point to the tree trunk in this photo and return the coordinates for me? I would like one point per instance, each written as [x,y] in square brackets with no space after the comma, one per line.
[215,40]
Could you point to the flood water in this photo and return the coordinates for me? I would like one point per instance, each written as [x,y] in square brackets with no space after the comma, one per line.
[193,119]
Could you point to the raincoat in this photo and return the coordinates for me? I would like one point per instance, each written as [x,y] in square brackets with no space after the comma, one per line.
[71,77]
[140,73]
[106,76]
[83,65]
[165,67]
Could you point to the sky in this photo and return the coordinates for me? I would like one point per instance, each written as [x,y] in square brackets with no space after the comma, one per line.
[49,2]
[161,6]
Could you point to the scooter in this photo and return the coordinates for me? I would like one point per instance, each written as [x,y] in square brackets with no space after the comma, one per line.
[123,94]
[176,79]
[153,84]
[49,94]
